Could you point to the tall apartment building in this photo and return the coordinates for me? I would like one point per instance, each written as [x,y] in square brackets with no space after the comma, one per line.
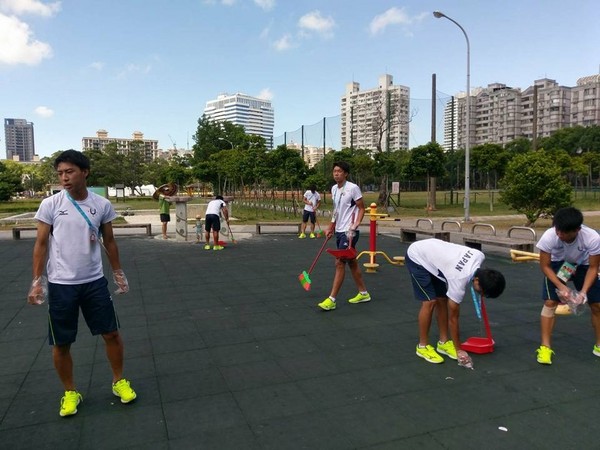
[18,136]
[500,114]
[585,101]
[254,114]
[101,140]
[553,108]
[375,119]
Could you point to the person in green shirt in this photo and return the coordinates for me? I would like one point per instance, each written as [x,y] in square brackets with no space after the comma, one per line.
[163,194]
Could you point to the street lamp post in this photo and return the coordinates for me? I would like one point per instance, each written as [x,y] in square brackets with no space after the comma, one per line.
[227,140]
[438,15]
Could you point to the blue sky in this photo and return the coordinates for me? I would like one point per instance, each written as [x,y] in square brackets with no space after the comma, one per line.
[75,66]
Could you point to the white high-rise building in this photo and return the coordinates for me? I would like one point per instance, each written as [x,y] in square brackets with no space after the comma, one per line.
[375,119]
[585,101]
[101,140]
[254,114]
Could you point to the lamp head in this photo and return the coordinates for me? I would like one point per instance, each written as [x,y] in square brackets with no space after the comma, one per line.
[438,14]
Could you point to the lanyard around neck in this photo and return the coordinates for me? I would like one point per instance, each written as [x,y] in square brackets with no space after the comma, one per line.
[87,219]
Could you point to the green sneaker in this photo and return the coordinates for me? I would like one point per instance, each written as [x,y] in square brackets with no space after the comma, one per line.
[428,354]
[447,348]
[596,350]
[122,389]
[207,247]
[327,304]
[360,298]
[69,403]
[544,355]
[218,247]
[312,235]
[302,236]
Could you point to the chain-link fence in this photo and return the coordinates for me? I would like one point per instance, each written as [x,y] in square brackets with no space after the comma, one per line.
[327,131]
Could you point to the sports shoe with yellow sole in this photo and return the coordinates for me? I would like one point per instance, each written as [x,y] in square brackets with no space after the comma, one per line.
[360,298]
[312,235]
[596,350]
[122,389]
[429,354]
[544,355]
[447,348]
[218,247]
[207,247]
[302,236]
[69,403]
[327,304]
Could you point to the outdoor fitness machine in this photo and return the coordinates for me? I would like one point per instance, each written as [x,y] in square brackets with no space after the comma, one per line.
[371,266]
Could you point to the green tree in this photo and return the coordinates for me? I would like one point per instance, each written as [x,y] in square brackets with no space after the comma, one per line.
[489,160]
[10,179]
[535,185]
[427,161]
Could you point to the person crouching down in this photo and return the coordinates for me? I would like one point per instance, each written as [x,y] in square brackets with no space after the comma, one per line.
[440,273]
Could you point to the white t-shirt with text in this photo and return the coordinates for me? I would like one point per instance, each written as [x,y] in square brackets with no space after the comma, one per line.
[344,205]
[455,264]
[578,252]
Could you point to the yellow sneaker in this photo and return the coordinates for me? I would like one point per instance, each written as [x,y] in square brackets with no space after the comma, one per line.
[327,304]
[69,403]
[302,236]
[447,348]
[218,247]
[544,355]
[428,354]
[312,235]
[360,298]
[207,247]
[122,389]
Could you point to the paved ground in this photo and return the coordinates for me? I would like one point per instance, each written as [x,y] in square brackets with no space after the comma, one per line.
[227,351]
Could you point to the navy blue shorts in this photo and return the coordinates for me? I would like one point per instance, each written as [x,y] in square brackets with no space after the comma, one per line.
[549,290]
[341,240]
[309,215]
[165,217]
[64,302]
[212,221]
[426,287]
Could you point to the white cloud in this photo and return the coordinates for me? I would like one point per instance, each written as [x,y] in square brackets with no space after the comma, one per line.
[315,22]
[17,44]
[266,94]
[284,43]
[267,5]
[393,16]
[19,7]
[133,68]
[44,111]
[228,2]
[97,65]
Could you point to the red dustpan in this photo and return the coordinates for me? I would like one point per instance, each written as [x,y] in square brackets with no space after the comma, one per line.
[346,253]
[480,344]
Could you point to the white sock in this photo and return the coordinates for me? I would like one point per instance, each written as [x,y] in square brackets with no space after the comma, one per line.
[332,298]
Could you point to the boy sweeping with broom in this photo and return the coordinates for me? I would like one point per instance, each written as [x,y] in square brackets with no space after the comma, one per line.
[348,212]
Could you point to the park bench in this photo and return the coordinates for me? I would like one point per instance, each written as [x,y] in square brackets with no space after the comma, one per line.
[517,243]
[16,231]
[147,226]
[261,225]
[409,234]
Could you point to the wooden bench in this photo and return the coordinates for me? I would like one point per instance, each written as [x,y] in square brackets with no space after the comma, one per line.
[410,234]
[16,231]
[523,244]
[260,225]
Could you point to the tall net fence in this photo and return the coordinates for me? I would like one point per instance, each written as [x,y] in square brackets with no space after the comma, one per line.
[327,131]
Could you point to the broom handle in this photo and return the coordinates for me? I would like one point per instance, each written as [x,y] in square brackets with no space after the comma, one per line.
[318,254]
[488,331]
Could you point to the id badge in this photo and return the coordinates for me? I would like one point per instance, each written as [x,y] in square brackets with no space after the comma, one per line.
[566,271]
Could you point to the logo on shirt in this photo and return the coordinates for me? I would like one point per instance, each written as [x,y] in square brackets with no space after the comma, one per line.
[63,212]
[93,211]
[463,261]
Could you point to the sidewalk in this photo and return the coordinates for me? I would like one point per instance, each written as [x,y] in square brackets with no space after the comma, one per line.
[227,351]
